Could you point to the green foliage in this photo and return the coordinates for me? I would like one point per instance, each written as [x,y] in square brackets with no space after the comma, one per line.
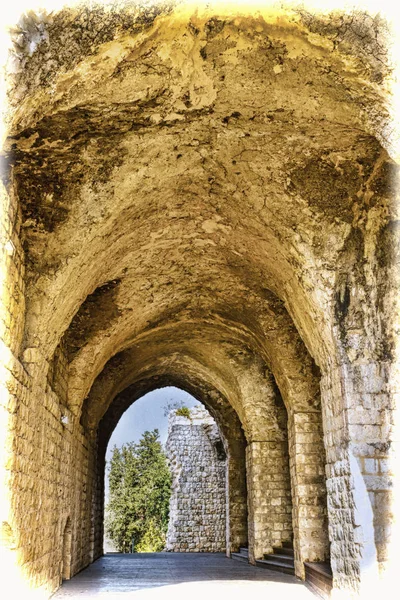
[183,411]
[153,539]
[140,488]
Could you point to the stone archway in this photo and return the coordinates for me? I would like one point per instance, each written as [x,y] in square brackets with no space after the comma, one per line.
[204,197]
[231,434]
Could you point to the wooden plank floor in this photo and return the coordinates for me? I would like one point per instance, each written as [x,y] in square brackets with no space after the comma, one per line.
[180,576]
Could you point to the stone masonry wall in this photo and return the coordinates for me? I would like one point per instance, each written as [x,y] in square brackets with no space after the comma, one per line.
[197,521]
[160,219]
[45,475]
[270,506]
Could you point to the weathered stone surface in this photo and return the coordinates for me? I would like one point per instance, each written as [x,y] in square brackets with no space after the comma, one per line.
[205,197]
[197,460]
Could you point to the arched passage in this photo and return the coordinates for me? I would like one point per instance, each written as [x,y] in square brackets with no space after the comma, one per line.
[202,197]
[253,392]
[246,381]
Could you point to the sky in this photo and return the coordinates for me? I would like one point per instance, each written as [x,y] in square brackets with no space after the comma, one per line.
[147,413]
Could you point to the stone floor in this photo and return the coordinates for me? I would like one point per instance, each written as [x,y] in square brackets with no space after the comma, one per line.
[180,576]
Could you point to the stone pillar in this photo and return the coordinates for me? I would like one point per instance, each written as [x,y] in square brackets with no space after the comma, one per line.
[236,498]
[269,497]
[97,533]
[307,470]
[351,490]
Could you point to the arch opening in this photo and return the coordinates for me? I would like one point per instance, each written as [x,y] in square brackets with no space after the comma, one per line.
[146,417]
[229,443]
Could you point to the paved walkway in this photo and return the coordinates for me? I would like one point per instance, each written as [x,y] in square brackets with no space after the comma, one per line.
[180,576]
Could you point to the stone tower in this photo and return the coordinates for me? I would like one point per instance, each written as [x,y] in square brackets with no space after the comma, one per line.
[197,521]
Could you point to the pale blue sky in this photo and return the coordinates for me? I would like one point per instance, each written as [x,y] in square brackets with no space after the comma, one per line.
[147,413]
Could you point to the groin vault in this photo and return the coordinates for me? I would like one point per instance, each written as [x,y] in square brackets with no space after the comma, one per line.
[202,196]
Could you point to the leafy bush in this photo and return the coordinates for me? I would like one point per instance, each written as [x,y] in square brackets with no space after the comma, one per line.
[183,411]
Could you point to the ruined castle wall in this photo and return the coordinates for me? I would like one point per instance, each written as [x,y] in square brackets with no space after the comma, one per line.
[197,521]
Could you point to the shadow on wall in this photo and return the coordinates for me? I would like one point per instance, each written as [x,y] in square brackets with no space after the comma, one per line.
[66,553]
